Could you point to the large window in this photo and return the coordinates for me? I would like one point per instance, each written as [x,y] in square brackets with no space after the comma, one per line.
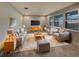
[59,20]
[72,20]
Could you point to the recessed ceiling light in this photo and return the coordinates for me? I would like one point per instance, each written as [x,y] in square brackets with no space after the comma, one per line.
[25,8]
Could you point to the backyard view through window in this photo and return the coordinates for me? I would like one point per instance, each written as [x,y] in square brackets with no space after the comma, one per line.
[72,20]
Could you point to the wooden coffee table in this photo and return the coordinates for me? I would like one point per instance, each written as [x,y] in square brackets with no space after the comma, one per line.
[38,35]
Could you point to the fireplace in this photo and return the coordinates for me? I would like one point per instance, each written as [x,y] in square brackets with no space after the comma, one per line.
[35,25]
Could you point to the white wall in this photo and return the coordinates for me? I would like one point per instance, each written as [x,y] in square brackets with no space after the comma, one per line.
[6,11]
[27,20]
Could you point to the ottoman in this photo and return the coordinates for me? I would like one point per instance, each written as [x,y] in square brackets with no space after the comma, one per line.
[43,46]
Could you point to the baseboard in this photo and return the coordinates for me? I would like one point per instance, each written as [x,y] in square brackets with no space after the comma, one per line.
[75,43]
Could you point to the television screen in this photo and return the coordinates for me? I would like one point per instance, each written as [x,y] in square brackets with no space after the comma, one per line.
[35,23]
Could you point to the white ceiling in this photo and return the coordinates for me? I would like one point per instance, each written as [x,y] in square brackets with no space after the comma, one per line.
[39,8]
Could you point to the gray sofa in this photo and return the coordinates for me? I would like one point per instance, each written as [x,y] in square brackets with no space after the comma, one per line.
[63,36]
[60,35]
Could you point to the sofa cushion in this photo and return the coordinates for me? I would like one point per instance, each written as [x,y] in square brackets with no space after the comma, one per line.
[54,30]
[57,34]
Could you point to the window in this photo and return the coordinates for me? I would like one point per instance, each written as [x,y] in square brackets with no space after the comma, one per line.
[59,20]
[72,20]
[12,22]
[51,21]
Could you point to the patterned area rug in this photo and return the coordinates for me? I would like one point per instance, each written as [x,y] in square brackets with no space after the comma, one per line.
[70,50]
[31,44]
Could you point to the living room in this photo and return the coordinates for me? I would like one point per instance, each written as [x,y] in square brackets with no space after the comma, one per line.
[31,28]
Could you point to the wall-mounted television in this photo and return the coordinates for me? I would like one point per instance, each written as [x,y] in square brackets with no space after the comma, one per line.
[35,22]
